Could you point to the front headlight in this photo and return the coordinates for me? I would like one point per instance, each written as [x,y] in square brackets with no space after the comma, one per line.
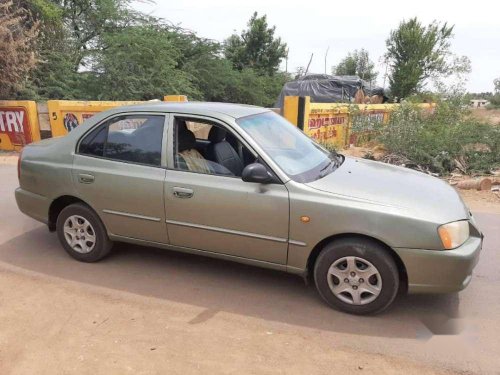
[454,234]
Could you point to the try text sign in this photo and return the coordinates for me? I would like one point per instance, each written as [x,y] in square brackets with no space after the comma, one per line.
[14,123]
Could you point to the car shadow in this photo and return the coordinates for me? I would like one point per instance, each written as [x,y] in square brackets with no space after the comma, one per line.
[218,285]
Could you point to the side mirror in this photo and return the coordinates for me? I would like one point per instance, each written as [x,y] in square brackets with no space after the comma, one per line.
[256,172]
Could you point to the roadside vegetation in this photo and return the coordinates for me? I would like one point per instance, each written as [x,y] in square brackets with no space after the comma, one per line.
[494,98]
[357,63]
[106,50]
[440,141]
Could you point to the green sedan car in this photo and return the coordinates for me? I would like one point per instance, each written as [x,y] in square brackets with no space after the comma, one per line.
[241,183]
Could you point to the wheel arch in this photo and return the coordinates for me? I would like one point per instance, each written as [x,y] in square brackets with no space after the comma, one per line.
[59,204]
[403,276]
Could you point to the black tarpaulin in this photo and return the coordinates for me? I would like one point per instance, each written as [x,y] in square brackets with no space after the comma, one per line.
[324,88]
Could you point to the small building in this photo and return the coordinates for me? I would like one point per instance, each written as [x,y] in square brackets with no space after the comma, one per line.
[479,103]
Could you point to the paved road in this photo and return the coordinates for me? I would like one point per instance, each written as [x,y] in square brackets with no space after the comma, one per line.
[457,332]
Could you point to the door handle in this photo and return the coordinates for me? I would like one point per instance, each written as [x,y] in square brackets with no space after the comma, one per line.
[181,192]
[85,178]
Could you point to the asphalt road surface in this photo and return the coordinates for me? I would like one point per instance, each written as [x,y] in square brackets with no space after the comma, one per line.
[144,310]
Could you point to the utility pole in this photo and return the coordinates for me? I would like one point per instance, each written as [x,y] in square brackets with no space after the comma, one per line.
[326,54]
[286,60]
[307,69]
[386,68]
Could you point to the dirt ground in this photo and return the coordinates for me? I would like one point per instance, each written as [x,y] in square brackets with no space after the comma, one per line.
[488,115]
[9,158]
[167,315]
[52,326]
[148,311]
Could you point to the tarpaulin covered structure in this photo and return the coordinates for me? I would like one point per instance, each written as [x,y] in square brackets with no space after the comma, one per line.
[324,88]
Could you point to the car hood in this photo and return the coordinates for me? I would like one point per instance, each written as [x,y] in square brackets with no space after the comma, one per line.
[415,193]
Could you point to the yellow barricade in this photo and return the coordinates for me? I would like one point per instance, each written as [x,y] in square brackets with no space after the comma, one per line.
[18,124]
[175,98]
[65,115]
[331,123]
[328,123]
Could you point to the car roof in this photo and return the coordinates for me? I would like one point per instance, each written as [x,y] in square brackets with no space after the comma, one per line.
[198,108]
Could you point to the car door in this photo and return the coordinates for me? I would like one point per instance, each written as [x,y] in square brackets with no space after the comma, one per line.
[119,170]
[218,212]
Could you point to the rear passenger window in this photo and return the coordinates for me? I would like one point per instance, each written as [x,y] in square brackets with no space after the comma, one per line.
[133,138]
[93,144]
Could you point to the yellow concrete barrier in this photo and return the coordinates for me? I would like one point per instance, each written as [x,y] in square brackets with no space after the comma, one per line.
[328,123]
[65,115]
[332,123]
[18,124]
[175,98]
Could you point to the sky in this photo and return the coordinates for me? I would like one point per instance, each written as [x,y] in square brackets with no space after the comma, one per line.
[313,26]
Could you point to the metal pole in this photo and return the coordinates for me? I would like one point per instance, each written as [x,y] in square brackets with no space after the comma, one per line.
[326,54]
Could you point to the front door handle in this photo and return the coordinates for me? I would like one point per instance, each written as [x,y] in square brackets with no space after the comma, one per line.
[181,192]
[85,178]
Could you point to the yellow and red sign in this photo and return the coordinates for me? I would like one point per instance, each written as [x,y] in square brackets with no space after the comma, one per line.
[18,124]
[332,123]
[327,126]
[65,115]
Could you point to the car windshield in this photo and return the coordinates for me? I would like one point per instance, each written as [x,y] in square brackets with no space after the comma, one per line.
[300,157]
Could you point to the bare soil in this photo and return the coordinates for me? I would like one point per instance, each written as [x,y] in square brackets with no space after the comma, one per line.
[491,116]
[51,326]
[7,157]
[147,311]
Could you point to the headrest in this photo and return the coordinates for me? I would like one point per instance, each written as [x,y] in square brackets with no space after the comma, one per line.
[181,125]
[216,134]
[186,140]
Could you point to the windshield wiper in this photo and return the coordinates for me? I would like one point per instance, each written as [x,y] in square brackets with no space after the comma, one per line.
[325,170]
[335,161]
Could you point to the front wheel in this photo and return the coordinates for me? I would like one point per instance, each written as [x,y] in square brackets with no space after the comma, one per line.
[82,234]
[357,276]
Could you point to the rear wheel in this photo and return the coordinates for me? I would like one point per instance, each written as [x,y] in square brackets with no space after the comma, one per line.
[357,276]
[82,234]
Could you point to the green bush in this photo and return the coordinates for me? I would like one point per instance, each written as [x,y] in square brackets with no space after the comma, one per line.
[442,141]
[494,102]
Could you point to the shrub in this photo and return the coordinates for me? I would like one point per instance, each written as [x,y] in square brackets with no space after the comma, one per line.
[441,141]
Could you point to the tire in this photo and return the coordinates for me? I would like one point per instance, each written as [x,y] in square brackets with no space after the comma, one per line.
[345,278]
[79,224]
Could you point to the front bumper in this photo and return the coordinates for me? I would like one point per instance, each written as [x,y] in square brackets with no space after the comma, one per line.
[440,271]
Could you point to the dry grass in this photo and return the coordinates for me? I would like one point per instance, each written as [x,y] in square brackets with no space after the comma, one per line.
[491,116]
[17,47]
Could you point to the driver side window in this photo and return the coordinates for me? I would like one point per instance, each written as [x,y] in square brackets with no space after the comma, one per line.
[206,147]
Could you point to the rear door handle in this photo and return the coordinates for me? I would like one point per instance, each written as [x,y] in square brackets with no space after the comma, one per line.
[85,178]
[181,192]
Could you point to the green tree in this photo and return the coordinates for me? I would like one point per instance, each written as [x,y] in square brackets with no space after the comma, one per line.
[86,21]
[139,63]
[256,48]
[494,98]
[357,63]
[496,82]
[102,50]
[416,53]
[71,34]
